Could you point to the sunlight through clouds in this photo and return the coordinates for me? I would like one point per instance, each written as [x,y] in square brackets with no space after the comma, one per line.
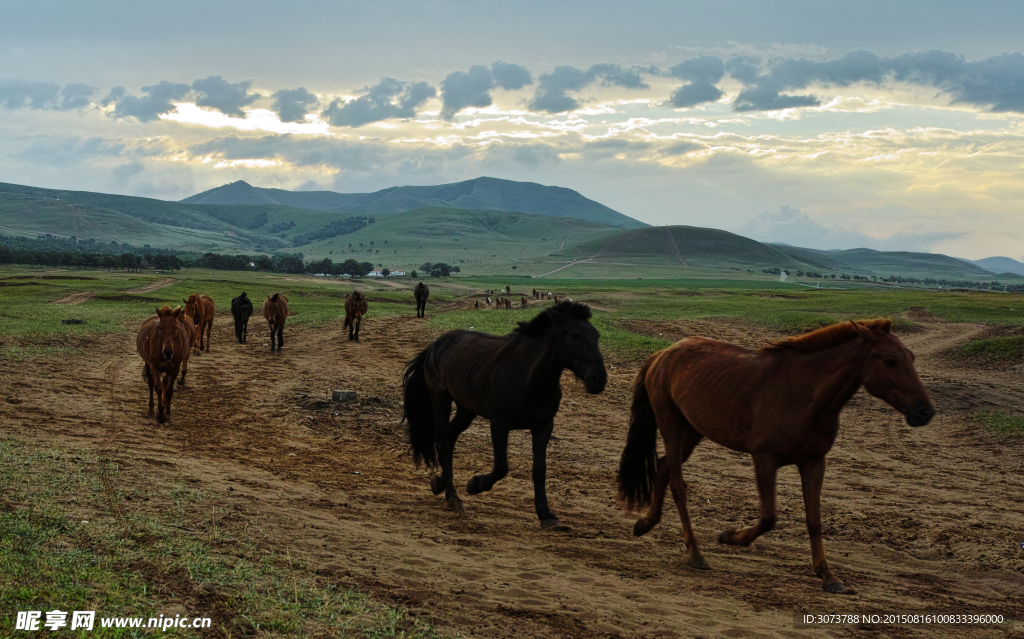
[255,120]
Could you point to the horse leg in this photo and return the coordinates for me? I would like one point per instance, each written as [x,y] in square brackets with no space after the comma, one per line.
[499,440]
[541,435]
[443,444]
[184,370]
[812,475]
[161,399]
[280,337]
[169,391]
[151,382]
[764,470]
[359,321]
[209,334]
[245,330]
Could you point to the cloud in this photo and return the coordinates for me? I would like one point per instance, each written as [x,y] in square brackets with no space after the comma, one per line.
[157,100]
[460,90]
[511,77]
[228,98]
[385,100]
[291,105]
[703,72]
[788,225]
[553,87]
[74,150]
[21,94]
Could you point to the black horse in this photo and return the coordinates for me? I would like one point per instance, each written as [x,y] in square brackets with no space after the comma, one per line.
[514,381]
[421,292]
[241,310]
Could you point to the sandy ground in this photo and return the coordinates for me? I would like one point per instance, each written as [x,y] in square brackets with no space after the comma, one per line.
[925,520]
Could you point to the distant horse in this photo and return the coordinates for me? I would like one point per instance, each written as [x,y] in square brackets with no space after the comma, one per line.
[190,331]
[200,308]
[488,301]
[355,308]
[523,300]
[780,404]
[534,293]
[476,304]
[241,310]
[508,304]
[508,290]
[514,381]
[275,311]
[549,294]
[421,292]
[162,342]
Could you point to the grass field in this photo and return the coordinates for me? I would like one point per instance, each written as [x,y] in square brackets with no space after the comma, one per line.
[147,564]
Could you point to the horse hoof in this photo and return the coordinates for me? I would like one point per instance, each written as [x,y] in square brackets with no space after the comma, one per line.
[552,525]
[837,588]
[473,486]
[641,527]
[725,537]
[436,486]
[456,505]
[698,563]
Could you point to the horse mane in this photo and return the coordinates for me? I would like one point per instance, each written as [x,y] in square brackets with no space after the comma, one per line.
[274,297]
[829,336]
[539,324]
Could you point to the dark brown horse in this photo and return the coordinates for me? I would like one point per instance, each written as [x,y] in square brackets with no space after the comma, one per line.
[355,308]
[275,311]
[514,381]
[201,309]
[162,343]
[421,292]
[780,404]
[241,311]
[523,301]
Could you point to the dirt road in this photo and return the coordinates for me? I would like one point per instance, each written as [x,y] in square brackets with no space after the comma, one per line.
[916,520]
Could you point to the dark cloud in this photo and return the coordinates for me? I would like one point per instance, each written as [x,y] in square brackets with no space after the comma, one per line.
[18,94]
[470,89]
[228,98]
[703,72]
[511,77]
[157,100]
[473,88]
[291,105]
[76,96]
[552,88]
[385,100]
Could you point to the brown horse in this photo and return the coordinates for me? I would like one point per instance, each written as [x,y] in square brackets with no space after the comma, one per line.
[162,342]
[514,381]
[275,311]
[200,308]
[780,404]
[355,308]
[190,331]
[421,292]
[523,300]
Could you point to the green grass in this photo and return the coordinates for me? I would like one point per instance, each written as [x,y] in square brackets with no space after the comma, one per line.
[1002,423]
[995,348]
[173,556]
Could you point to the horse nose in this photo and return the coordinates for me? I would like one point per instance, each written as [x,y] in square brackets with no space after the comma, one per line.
[168,353]
[921,415]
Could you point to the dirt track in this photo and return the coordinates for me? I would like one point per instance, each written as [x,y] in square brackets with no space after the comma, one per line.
[922,520]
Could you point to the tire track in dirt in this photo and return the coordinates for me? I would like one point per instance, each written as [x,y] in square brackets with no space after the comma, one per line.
[149,288]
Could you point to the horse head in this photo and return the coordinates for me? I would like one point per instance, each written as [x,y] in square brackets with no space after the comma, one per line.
[575,340]
[167,330]
[889,372]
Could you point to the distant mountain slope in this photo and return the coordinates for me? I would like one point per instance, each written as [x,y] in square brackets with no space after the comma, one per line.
[908,264]
[999,265]
[820,260]
[480,194]
[685,245]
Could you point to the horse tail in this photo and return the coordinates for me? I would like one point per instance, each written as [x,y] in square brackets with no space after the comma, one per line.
[418,411]
[639,463]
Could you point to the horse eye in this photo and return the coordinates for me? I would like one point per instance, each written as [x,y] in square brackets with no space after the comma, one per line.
[890,361]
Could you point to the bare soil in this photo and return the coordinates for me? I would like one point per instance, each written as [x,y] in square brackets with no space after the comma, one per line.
[915,520]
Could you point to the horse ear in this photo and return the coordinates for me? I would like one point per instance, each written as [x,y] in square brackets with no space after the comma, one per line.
[157,310]
[184,300]
[864,331]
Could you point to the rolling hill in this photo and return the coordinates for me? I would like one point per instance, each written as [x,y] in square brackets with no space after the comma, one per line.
[999,265]
[481,194]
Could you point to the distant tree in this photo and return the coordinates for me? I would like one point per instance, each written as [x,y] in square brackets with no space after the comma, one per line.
[414,275]
[385,272]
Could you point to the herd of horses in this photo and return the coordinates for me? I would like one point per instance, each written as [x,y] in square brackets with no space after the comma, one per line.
[780,404]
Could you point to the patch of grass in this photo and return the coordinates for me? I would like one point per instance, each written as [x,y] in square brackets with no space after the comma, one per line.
[1002,423]
[995,348]
[182,556]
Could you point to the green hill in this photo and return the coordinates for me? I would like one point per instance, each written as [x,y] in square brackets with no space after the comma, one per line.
[481,194]
[685,246]
[907,264]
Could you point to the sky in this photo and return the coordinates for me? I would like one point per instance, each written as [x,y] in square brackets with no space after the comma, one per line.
[894,125]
